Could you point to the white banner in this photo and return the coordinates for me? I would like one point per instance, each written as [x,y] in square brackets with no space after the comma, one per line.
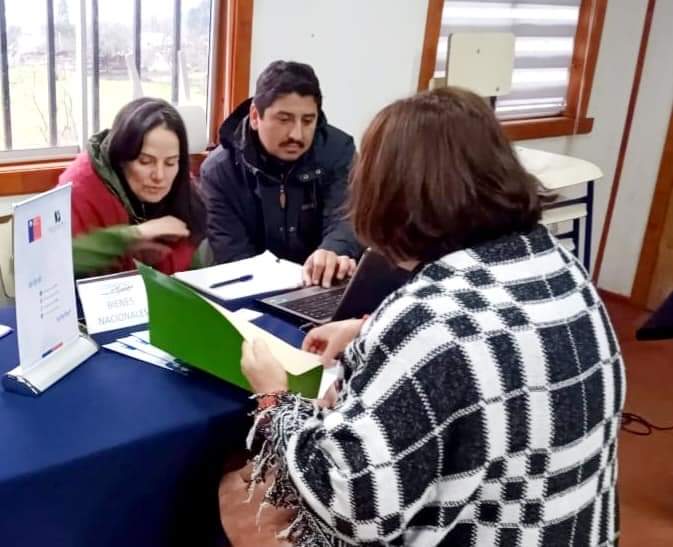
[46,314]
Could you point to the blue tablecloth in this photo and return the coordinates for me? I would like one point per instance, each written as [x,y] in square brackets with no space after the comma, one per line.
[118,453]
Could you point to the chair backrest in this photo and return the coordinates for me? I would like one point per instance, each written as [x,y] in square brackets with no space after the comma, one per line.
[194,117]
[482,62]
[6,258]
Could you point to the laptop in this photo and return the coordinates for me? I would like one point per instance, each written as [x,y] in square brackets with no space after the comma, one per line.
[374,279]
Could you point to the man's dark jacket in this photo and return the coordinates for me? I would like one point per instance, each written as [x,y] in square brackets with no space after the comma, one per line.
[242,187]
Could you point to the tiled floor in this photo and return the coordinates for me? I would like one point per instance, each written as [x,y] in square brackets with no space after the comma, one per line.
[646,463]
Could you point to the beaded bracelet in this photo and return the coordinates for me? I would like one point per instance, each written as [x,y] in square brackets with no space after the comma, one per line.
[267,400]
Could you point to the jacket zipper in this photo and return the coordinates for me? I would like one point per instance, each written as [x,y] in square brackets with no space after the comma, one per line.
[282,197]
[282,200]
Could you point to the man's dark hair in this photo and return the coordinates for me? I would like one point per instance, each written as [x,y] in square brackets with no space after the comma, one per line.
[285,77]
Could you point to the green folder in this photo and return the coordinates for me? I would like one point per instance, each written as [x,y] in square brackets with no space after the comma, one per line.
[208,337]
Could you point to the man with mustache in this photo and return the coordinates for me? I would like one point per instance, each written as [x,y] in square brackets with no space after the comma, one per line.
[278,179]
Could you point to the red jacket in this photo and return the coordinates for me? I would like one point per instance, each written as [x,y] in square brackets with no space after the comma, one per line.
[94,206]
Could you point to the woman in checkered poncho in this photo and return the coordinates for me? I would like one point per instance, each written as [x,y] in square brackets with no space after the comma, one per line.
[482,400]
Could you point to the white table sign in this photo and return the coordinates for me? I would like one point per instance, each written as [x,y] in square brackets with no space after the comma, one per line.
[113,301]
[46,316]
[50,344]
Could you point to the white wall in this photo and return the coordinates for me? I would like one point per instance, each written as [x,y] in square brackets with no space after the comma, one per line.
[367,53]
[609,101]
[643,155]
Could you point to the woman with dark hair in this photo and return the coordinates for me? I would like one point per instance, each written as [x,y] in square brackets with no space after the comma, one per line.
[132,195]
[481,401]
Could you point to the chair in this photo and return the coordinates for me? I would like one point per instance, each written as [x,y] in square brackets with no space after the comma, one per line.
[483,62]
[479,61]
[6,259]
[558,172]
[194,117]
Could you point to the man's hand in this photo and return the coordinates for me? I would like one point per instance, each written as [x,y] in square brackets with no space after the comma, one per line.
[322,266]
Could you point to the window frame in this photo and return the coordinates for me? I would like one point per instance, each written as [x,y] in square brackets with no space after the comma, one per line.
[232,42]
[233,50]
[573,120]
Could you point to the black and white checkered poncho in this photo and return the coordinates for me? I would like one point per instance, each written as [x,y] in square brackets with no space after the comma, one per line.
[482,409]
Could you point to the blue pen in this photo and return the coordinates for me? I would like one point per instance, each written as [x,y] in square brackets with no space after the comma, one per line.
[230,281]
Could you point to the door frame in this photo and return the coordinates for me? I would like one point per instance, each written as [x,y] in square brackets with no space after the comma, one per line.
[654,231]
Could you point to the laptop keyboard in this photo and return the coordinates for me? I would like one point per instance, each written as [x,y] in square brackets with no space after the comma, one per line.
[318,306]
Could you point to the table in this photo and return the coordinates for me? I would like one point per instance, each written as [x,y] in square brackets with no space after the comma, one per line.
[118,453]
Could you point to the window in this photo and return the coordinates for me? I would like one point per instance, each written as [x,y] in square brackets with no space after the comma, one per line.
[42,43]
[544,36]
[556,45]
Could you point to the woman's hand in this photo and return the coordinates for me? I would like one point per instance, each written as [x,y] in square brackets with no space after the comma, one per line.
[331,339]
[262,370]
[330,397]
[149,251]
[168,227]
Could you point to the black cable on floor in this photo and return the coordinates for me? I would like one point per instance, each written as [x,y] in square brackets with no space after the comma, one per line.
[646,428]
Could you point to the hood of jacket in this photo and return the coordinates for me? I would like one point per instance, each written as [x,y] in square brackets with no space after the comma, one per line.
[98,149]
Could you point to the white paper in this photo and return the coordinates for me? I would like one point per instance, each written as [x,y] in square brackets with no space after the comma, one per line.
[144,335]
[329,376]
[123,349]
[4,330]
[119,347]
[294,360]
[268,274]
[146,347]
[247,314]
[46,315]
[113,302]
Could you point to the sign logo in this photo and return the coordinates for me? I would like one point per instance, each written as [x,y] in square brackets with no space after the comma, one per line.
[34,229]
[57,216]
